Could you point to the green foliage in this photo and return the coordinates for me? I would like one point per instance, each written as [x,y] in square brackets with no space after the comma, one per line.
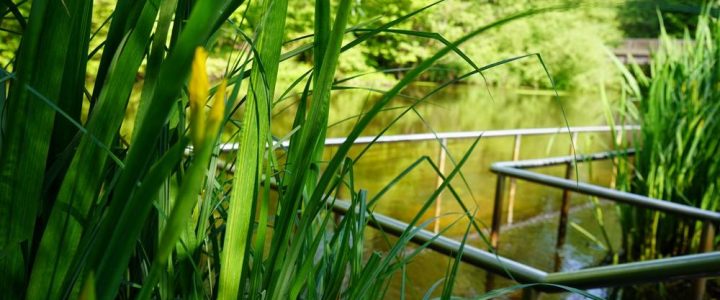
[640,18]
[571,44]
[678,145]
[89,213]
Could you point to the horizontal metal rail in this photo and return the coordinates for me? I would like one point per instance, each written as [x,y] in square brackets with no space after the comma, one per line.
[679,267]
[458,135]
[686,266]
[474,256]
[515,169]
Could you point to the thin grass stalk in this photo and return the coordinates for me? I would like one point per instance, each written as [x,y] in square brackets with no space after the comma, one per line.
[155,58]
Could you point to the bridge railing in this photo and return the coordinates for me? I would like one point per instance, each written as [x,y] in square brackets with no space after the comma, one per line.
[692,266]
[444,137]
[686,266]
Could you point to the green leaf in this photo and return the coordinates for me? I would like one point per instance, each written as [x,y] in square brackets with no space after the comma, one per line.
[81,186]
[253,138]
[42,62]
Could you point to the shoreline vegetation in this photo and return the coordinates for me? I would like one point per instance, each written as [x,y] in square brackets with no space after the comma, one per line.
[89,212]
[675,101]
[576,57]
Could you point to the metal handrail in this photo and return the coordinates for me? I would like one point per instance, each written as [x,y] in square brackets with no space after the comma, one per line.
[443,138]
[516,170]
[457,135]
[686,266]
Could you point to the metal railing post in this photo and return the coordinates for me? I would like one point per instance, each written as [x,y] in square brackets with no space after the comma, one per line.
[530,294]
[707,240]
[497,212]
[615,160]
[562,225]
[438,200]
[511,193]
[489,281]
[564,207]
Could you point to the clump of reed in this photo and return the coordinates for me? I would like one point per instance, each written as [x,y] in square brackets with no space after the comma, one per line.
[677,159]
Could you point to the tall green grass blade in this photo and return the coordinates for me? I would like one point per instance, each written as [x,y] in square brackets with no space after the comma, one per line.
[310,142]
[71,95]
[14,274]
[253,139]
[81,184]
[155,57]
[114,265]
[175,66]
[124,14]
[320,46]
[41,63]
[176,223]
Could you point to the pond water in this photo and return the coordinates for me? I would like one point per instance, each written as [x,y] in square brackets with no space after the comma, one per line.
[531,239]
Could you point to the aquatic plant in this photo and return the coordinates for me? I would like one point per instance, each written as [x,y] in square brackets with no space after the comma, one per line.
[677,106]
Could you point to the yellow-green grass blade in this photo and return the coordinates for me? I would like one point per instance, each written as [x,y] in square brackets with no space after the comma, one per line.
[81,185]
[320,44]
[322,31]
[253,138]
[450,278]
[88,290]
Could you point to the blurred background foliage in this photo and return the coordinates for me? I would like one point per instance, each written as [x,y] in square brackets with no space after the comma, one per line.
[572,43]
